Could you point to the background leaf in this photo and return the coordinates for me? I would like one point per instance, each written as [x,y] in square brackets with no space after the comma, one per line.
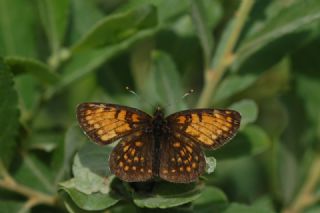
[8,107]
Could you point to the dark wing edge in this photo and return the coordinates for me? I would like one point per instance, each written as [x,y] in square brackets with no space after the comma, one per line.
[211,128]
[132,158]
[106,123]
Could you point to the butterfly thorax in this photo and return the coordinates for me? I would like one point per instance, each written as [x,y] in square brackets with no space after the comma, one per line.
[159,124]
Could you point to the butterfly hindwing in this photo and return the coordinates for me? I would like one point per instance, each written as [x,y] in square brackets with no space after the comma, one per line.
[132,159]
[210,128]
[181,160]
[105,123]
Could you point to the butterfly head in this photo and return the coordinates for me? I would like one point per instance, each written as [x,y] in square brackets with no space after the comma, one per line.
[158,113]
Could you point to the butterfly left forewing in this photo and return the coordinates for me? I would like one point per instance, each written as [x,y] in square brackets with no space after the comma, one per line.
[106,123]
[210,128]
[181,160]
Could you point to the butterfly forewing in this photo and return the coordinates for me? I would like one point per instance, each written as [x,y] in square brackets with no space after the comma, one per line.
[132,159]
[105,123]
[210,128]
[181,160]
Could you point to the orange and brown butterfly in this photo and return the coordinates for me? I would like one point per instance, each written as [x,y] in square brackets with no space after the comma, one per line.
[157,146]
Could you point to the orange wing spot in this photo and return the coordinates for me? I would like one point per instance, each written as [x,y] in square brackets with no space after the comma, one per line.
[88,118]
[188,169]
[129,160]
[181,169]
[142,159]
[149,171]
[179,160]
[196,157]
[204,139]
[121,164]
[126,168]
[189,149]
[176,144]
[228,112]
[229,125]
[173,170]
[125,156]
[133,152]
[192,131]
[195,118]
[217,115]
[181,119]
[141,170]
[190,158]
[165,171]
[173,160]
[135,118]
[108,115]
[136,159]
[134,168]
[138,143]
[123,128]
[194,165]
[126,148]
[225,128]
[229,119]
[185,161]
[214,137]
[219,131]
[109,135]
[96,126]
[91,121]
[88,112]
[99,110]
[100,132]
[122,115]
[182,153]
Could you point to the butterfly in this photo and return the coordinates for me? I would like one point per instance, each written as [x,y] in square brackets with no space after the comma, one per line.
[157,146]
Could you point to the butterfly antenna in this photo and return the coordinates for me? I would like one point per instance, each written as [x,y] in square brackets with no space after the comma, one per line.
[182,98]
[138,96]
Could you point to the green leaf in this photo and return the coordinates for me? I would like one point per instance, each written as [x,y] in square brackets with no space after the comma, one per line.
[202,27]
[54,17]
[251,141]
[9,124]
[9,206]
[302,15]
[248,110]
[118,27]
[167,195]
[232,85]
[81,22]
[39,70]
[92,202]
[16,40]
[35,174]
[241,208]
[167,82]
[211,198]
[91,170]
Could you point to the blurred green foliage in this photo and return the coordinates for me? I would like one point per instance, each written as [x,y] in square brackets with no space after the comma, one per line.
[260,58]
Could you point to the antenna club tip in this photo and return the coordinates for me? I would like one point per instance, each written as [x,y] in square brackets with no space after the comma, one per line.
[191,90]
[127,88]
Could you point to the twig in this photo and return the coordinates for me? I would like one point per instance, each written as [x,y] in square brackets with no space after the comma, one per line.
[307,196]
[225,57]
[34,197]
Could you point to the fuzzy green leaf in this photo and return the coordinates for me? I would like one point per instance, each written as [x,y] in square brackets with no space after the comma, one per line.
[9,122]
[248,110]
[92,202]
[167,195]
[251,141]
[39,70]
[118,27]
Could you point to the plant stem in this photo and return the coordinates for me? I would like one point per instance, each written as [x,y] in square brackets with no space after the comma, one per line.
[306,196]
[34,197]
[224,56]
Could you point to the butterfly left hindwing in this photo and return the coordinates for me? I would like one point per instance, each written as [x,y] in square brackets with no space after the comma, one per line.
[132,159]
